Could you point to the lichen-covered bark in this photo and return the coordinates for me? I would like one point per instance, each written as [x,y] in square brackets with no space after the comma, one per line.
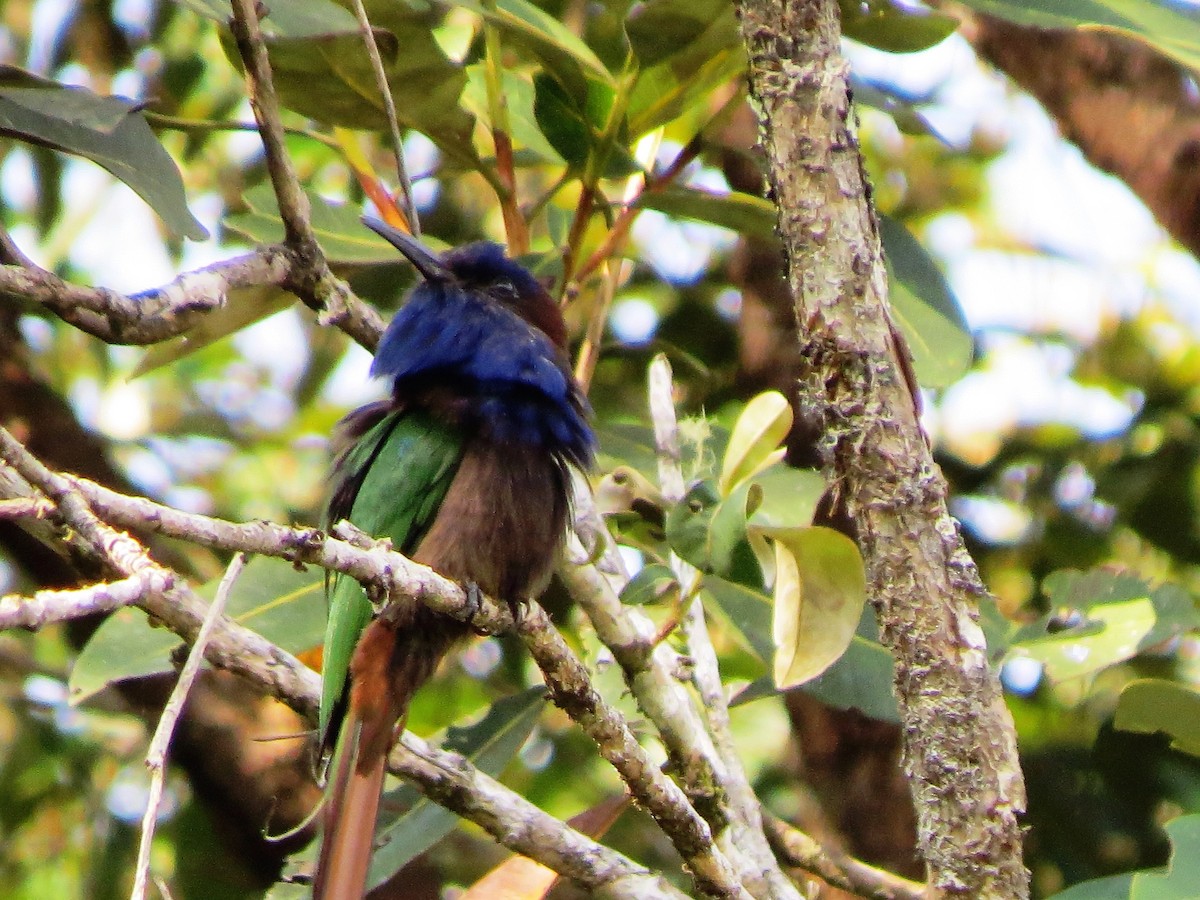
[959,744]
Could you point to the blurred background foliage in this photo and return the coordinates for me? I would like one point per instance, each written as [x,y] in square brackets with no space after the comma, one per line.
[1055,330]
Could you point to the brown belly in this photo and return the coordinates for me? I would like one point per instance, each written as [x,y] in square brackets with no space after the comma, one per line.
[502,522]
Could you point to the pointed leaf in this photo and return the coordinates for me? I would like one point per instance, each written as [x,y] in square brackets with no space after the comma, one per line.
[820,590]
[755,439]
[74,120]
[744,213]
[652,584]
[563,54]
[895,30]
[747,610]
[337,227]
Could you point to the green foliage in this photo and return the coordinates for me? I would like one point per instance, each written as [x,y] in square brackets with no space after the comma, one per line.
[785,595]
[110,131]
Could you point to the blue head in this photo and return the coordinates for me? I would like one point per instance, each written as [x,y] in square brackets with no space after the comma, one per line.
[481,335]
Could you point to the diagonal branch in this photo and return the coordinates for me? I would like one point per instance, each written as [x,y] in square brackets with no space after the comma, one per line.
[960,744]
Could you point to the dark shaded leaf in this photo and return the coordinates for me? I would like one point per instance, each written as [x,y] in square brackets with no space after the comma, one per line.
[272,597]
[650,585]
[925,309]
[106,130]
[743,213]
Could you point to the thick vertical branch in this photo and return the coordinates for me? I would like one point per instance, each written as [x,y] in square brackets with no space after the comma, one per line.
[960,747]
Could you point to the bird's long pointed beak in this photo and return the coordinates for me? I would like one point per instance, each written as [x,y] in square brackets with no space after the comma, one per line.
[425,260]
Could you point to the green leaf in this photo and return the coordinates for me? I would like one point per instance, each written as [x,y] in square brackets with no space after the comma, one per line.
[322,71]
[669,90]
[820,591]
[1151,705]
[1173,29]
[710,532]
[410,824]
[1112,635]
[1181,881]
[1114,887]
[106,130]
[861,679]
[286,18]
[747,610]
[903,109]
[519,98]
[658,29]
[754,443]
[925,309]
[337,227]
[743,213]
[563,122]
[1117,616]
[789,498]
[650,585]
[272,597]
[563,55]
[893,29]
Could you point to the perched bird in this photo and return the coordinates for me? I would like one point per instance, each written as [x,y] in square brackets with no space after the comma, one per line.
[466,468]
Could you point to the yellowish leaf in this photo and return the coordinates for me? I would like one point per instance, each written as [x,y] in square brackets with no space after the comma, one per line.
[754,443]
[820,589]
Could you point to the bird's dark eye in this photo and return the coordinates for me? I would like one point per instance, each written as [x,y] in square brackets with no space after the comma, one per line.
[504,290]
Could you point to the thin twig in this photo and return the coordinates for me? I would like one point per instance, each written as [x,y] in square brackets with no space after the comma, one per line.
[156,756]
[309,275]
[167,596]
[797,849]
[744,838]
[515,227]
[615,271]
[571,689]
[620,228]
[389,108]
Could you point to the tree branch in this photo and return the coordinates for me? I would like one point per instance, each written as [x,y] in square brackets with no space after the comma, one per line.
[798,849]
[150,316]
[960,746]
[310,276]
[744,840]
[448,779]
[1130,110]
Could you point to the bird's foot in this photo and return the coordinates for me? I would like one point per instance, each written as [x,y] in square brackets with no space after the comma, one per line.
[475,607]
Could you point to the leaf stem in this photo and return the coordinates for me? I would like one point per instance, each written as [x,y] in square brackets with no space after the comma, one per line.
[515,227]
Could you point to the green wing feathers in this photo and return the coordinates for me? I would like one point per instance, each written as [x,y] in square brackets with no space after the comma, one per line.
[392,480]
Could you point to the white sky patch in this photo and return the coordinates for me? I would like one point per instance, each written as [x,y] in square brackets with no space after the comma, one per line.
[633,321]
[993,520]
[351,383]
[124,411]
[278,344]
